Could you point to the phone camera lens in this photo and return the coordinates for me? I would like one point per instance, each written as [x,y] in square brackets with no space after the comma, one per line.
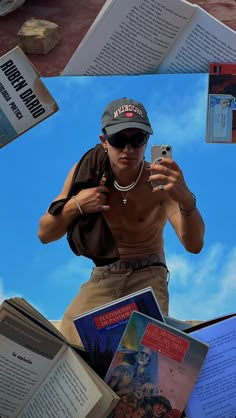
[163,152]
[167,148]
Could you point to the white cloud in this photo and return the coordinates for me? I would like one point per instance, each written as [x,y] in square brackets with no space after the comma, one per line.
[188,120]
[5,295]
[203,289]
[76,271]
[12,294]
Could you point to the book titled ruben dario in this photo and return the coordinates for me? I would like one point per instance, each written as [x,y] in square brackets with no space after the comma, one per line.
[24,99]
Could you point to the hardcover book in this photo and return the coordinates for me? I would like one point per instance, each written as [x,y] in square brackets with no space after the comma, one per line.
[41,374]
[154,368]
[221,111]
[101,329]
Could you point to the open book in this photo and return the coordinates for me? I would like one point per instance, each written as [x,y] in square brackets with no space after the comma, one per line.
[41,375]
[214,394]
[152,36]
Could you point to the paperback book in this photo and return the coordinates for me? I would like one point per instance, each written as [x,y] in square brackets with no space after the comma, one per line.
[101,329]
[152,36]
[24,99]
[154,368]
[41,374]
[214,394]
[221,111]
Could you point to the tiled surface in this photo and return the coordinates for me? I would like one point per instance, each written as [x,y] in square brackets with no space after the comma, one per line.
[74,18]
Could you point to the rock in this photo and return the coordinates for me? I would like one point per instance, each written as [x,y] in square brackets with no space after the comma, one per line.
[37,36]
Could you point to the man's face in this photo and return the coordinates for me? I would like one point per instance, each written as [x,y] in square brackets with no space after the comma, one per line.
[128,155]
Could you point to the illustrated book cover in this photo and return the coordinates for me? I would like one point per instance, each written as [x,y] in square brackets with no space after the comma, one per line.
[24,99]
[152,36]
[101,329]
[221,109]
[154,368]
[214,394]
[42,375]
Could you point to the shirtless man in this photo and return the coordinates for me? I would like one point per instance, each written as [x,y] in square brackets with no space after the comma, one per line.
[135,212]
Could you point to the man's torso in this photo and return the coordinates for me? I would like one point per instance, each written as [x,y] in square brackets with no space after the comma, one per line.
[137,225]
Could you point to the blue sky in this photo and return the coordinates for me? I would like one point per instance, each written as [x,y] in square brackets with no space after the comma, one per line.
[34,166]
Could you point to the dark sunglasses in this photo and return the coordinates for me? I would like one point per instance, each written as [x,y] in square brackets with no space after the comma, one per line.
[120,140]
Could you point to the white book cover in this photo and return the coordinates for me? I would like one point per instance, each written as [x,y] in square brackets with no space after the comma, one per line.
[24,99]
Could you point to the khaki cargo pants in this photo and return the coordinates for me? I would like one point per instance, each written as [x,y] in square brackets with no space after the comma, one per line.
[107,284]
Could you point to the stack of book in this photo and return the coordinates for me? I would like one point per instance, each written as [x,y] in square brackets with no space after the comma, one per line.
[136,362]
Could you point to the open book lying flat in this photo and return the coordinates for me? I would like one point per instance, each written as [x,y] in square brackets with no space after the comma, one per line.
[41,375]
[74,19]
[152,36]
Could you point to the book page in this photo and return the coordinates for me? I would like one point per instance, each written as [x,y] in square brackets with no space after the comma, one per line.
[214,394]
[25,359]
[130,37]
[68,392]
[204,40]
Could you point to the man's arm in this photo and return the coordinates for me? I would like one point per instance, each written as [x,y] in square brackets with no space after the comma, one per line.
[189,228]
[52,228]
[179,204]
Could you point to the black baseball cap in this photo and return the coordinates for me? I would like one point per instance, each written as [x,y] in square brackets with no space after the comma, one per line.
[125,113]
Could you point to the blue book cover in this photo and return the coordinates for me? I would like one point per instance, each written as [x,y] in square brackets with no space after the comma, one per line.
[101,329]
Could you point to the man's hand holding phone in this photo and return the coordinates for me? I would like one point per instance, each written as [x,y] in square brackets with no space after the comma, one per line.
[157,153]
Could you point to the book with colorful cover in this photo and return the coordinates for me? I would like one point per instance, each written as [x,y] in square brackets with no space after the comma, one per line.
[214,394]
[154,368]
[101,328]
[221,110]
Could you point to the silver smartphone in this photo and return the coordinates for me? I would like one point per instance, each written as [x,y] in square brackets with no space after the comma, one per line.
[159,151]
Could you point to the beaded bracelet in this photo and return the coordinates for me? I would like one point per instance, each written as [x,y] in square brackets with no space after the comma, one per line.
[78,205]
[188,212]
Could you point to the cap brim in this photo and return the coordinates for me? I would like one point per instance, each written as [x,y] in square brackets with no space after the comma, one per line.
[113,129]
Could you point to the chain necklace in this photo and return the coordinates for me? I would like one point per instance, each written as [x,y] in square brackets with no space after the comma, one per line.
[130,186]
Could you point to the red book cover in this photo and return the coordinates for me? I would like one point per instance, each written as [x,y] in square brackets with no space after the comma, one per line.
[154,368]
